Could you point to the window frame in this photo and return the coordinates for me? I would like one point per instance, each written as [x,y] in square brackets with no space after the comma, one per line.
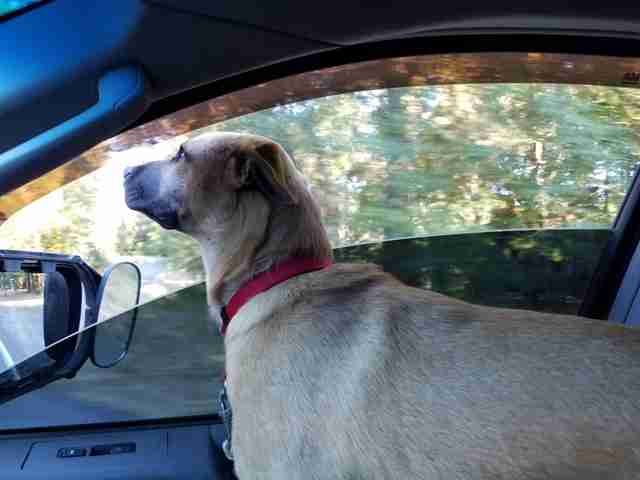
[625,238]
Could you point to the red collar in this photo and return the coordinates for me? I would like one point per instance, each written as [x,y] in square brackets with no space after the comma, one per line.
[267,279]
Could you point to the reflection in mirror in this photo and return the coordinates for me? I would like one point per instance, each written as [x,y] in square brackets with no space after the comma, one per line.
[118,296]
[119,292]
[21,317]
[112,339]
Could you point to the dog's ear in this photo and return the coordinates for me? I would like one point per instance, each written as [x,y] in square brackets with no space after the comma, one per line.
[265,168]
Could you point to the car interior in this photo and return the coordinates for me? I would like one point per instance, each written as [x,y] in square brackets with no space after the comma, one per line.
[75,74]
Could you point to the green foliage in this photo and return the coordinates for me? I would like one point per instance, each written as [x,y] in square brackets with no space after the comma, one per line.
[412,161]
[75,233]
[149,239]
[548,270]
[460,158]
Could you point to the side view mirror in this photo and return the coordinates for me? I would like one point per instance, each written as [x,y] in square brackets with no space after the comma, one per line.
[117,298]
[49,300]
[60,312]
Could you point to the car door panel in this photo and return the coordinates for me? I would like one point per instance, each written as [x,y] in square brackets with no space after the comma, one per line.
[181,452]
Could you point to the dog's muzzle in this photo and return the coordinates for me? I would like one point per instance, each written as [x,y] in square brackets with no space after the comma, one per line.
[142,187]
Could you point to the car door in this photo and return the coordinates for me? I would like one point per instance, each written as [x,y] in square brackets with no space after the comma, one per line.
[503,179]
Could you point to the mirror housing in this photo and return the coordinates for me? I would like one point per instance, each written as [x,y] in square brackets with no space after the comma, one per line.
[57,321]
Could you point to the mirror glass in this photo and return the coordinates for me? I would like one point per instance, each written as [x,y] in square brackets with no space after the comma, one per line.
[119,291]
[117,297]
[21,317]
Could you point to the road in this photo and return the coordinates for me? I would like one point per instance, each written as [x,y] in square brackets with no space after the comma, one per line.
[80,401]
[21,333]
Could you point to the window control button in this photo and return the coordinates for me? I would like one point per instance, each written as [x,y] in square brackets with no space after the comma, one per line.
[71,452]
[113,449]
[126,448]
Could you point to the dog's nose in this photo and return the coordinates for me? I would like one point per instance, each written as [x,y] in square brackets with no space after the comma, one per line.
[128,172]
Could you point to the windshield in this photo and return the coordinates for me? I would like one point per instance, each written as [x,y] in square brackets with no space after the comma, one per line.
[501,193]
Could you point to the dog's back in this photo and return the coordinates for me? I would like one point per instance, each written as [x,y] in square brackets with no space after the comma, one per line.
[355,375]
[347,373]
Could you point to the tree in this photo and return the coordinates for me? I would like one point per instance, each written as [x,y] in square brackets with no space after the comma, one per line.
[124,241]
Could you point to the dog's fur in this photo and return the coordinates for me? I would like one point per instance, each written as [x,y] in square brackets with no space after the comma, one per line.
[347,373]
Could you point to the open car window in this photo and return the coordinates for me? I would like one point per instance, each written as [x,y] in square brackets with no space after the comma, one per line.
[384,164]
[493,178]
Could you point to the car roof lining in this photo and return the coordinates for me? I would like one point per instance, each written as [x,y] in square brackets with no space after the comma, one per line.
[347,22]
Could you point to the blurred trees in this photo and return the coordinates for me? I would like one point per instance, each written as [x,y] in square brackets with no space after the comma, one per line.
[73,230]
[422,160]
[410,162]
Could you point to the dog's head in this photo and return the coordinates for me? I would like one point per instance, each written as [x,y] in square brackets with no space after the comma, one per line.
[239,195]
[206,178]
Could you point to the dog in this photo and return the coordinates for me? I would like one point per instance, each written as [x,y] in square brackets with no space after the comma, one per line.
[342,372]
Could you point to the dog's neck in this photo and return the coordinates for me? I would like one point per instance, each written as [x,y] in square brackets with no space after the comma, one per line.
[220,290]
[257,238]
[221,287]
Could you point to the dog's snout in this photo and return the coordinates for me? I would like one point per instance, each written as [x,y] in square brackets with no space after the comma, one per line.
[128,172]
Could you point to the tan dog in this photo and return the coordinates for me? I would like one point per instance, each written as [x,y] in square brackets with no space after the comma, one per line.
[346,373]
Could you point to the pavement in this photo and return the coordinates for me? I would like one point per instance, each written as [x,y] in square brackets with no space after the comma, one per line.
[21,331]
